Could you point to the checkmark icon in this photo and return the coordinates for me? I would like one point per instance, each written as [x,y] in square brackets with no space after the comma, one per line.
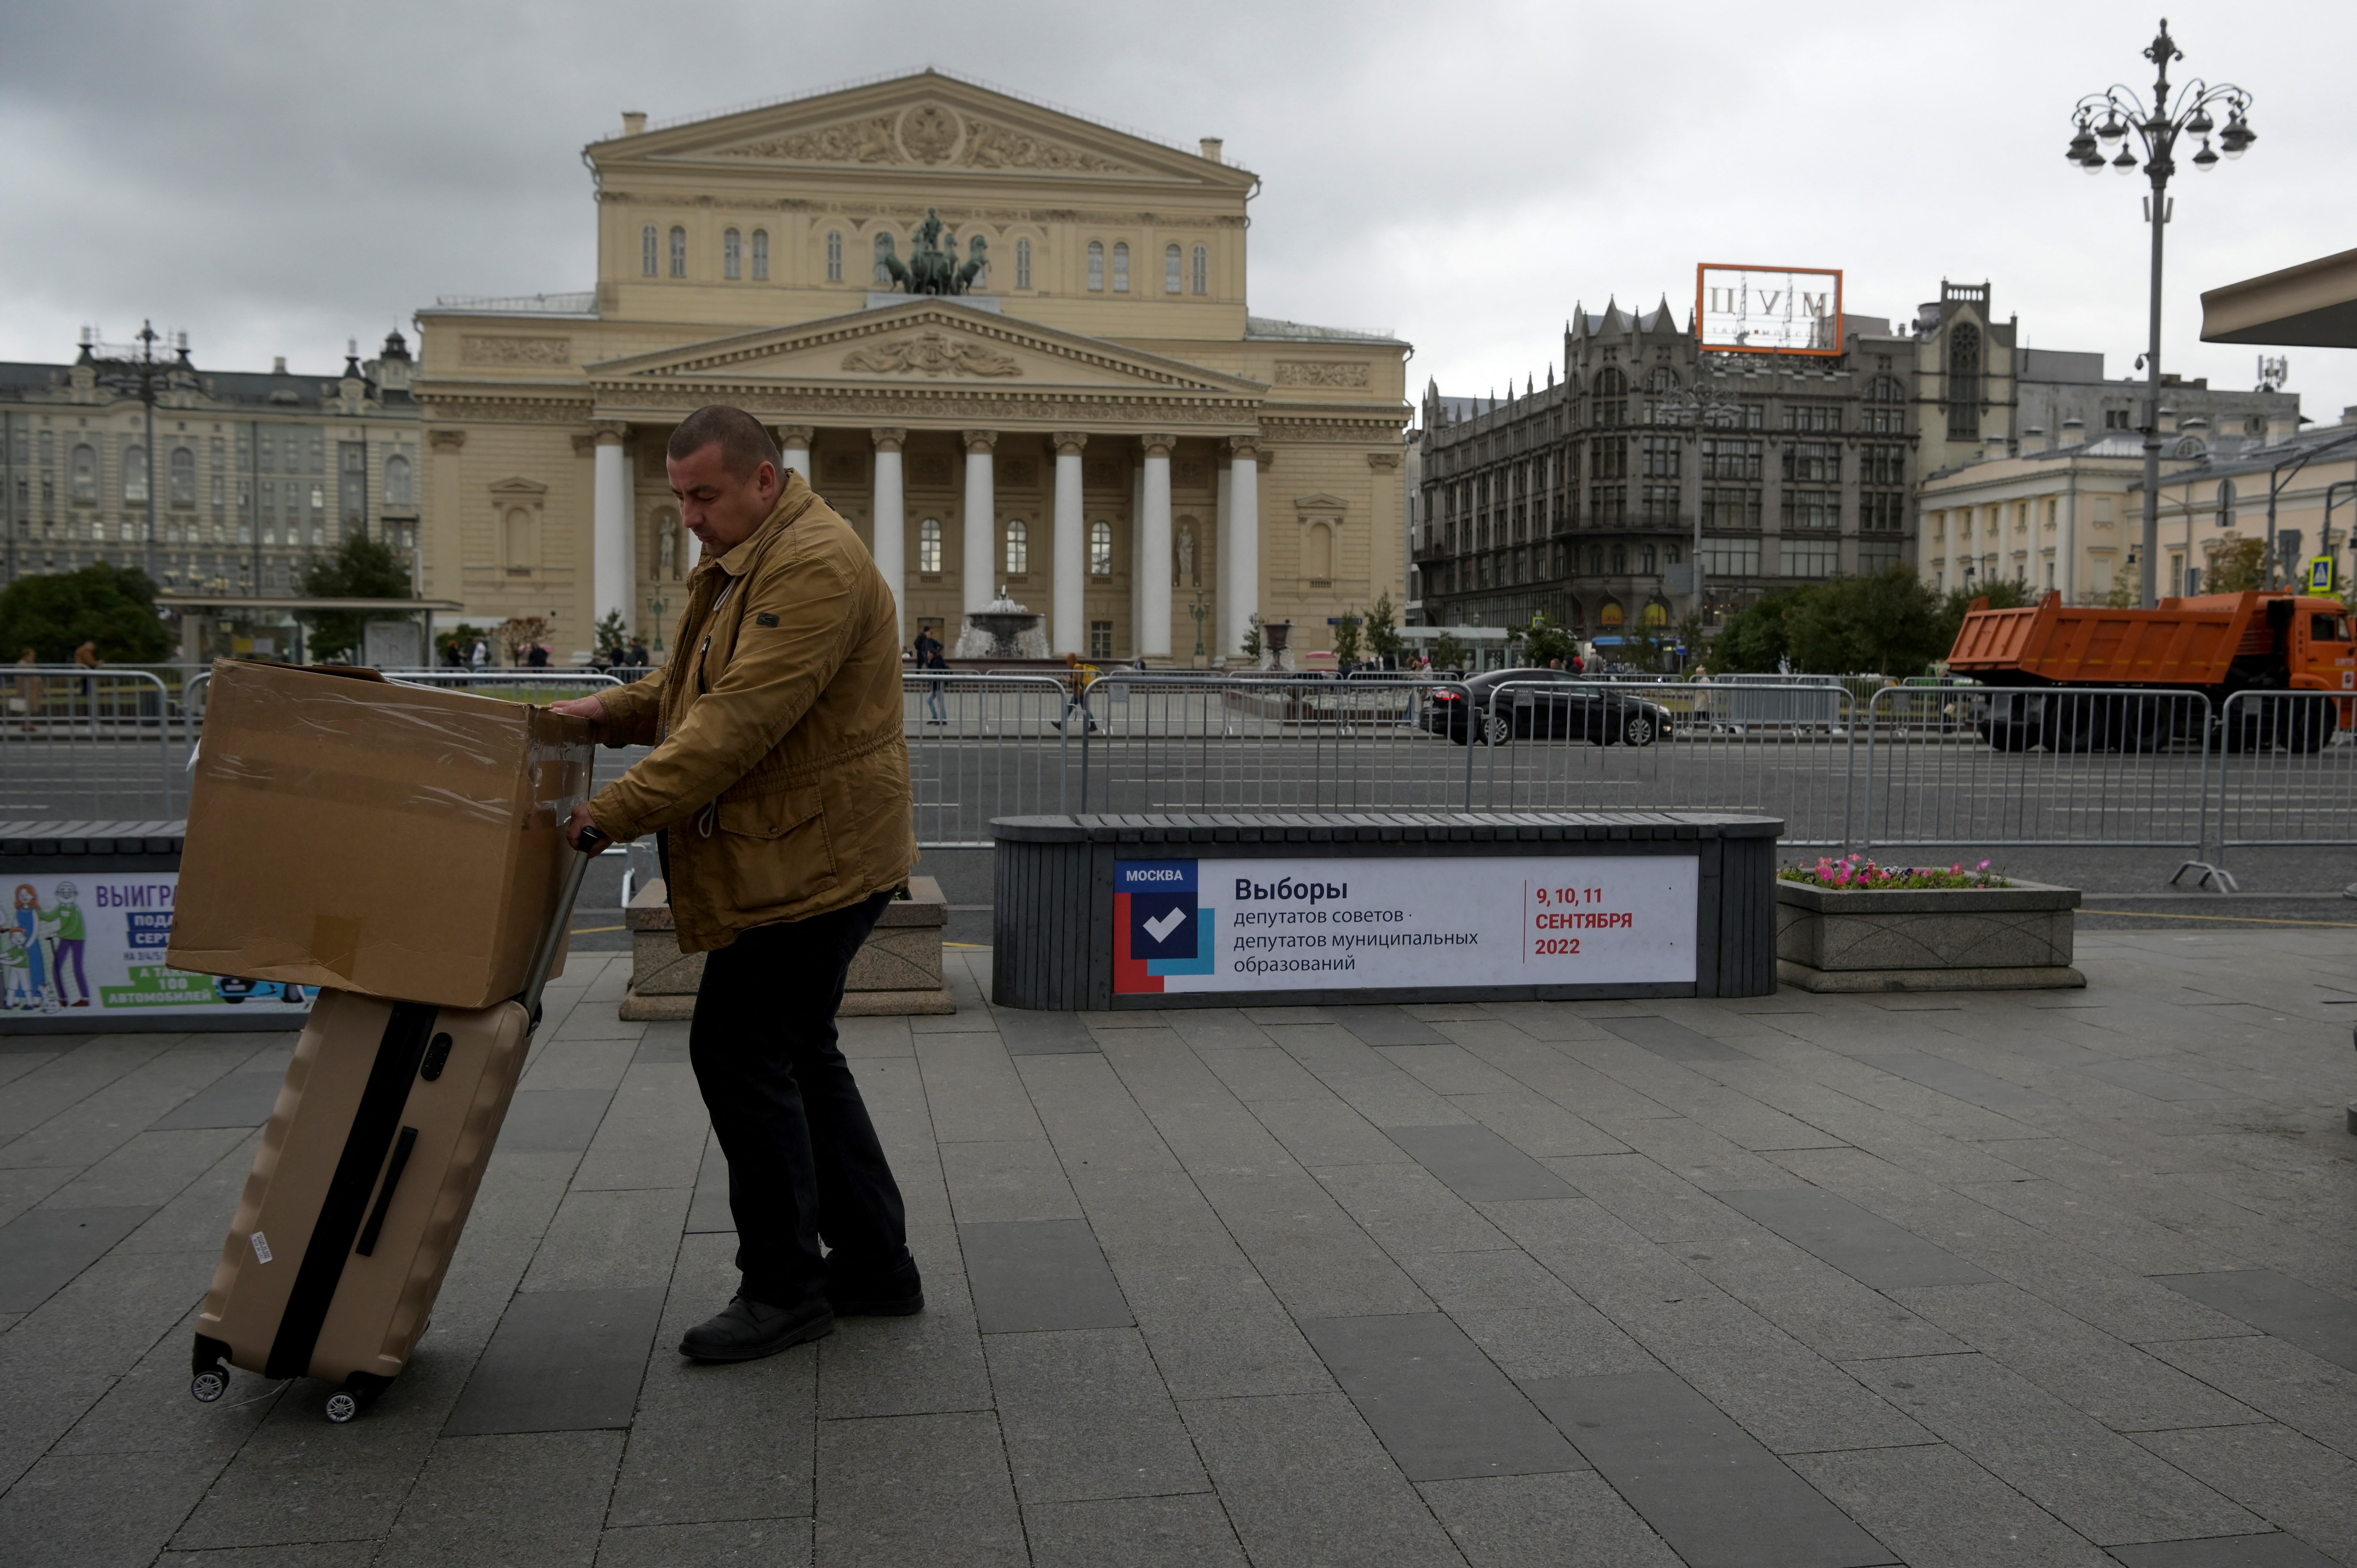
[1160,930]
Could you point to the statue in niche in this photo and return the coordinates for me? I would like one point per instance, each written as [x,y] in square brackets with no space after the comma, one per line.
[1185,551]
[667,550]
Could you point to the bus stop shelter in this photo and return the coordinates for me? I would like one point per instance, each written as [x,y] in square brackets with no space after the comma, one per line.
[398,632]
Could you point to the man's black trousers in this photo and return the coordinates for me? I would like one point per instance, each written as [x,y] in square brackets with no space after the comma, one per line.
[804,1166]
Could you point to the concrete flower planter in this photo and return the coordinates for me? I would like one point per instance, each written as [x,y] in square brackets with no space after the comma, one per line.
[897,971]
[1951,939]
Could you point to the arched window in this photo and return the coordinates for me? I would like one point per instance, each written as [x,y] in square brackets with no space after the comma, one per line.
[678,251]
[517,538]
[135,473]
[1657,616]
[1018,550]
[1317,552]
[1620,560]
[1096,267]
[1170,269]
[883,273]
[397,490]
[1965,382]
[1671,555]
[1100,550]
[2191,447]
[184,477]
[732,254]
[1022,264]
[760,255]
[834,256]
[1203,269]
[929,546]
[1121,267]
[1645,556]
[650,251]
[1611,616]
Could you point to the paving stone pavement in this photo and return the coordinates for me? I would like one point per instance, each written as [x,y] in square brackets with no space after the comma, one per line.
[2049,1278]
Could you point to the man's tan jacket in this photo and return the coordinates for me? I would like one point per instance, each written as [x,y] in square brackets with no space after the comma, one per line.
[779,764]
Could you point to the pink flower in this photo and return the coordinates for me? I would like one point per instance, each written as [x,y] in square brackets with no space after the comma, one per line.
[1983,866]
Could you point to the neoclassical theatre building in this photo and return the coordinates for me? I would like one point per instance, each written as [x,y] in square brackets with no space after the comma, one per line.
[1011,346]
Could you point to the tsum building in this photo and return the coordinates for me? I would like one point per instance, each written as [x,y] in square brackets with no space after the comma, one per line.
[1087,415]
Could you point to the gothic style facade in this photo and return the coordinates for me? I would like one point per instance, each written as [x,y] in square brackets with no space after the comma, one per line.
[1013,347]
[1583,499]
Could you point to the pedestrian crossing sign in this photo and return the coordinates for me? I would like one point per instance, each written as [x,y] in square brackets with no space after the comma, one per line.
[2320,574]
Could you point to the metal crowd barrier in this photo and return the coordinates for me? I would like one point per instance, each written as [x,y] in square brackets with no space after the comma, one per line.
[986,746]
[2286,770]
[1688,746]
[1152,742]
[83,745]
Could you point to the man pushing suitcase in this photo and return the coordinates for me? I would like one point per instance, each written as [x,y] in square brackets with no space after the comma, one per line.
[780,784]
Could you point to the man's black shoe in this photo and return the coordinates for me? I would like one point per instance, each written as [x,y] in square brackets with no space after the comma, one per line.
[900,1292]
[747,1330]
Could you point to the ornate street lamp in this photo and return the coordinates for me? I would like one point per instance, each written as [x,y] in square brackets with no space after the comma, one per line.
[2115,121]
[1199,610]
[656,604]
[140,373]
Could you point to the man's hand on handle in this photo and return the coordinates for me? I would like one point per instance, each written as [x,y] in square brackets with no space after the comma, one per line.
[582,832]
[589,708]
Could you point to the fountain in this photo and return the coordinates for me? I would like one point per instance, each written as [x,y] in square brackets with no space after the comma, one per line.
[1002,630]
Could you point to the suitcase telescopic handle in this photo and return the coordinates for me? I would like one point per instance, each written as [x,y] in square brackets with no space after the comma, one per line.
[592,843]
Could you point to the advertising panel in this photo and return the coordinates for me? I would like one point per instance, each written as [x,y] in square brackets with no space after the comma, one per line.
[1767,310]
[1401,922]
[90,944]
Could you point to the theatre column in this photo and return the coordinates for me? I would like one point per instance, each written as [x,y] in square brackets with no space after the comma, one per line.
[793,448]
[891,516]
[1154,550]
[980,561]
[612,581]
[1240,548]
[1069,619]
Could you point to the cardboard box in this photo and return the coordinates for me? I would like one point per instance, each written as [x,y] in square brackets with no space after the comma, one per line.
[394,840]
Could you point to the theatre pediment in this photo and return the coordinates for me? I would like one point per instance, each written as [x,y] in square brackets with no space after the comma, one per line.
[924,343]
[926,121]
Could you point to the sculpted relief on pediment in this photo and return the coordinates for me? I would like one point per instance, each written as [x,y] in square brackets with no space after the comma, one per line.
[930,354]
[930,135]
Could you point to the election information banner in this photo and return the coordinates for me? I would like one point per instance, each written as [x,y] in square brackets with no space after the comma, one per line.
[90,945]
[1403,922]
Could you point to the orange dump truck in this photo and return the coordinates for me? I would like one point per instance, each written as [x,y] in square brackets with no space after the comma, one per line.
[2087,677]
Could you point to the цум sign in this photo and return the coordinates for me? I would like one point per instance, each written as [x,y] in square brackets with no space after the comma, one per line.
[1401,922]
[1767,310]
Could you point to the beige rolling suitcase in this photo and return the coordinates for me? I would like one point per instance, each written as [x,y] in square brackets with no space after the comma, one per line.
[367,1171]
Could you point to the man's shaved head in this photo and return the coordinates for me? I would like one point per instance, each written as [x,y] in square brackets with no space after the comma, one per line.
[745,443]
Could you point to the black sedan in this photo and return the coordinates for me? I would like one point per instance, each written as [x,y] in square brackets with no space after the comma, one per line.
[1543,704]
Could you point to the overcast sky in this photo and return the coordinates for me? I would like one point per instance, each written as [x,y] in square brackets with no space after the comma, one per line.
[275,177]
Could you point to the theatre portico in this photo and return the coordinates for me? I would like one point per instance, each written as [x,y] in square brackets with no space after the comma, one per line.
[1086,416]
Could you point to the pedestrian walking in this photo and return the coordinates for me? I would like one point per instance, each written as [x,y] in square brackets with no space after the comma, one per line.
[478,656]
[779,791]
[32,691]
[537,658]
[87,656]
[930,664]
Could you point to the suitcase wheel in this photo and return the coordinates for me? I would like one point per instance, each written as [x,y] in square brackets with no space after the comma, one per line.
[360,1392]
[209,1369]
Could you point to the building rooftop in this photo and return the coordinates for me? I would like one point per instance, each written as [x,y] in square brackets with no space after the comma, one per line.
[1272,329]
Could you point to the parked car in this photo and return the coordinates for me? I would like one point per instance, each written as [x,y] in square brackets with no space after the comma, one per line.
[1545,704]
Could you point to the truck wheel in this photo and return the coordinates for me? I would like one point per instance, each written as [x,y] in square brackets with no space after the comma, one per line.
[2250,727]
[2007,736]
[2305,724]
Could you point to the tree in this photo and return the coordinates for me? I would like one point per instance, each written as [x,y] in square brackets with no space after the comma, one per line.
[361,568]
[1384,639]
[1251,639]
[1752,640]
[1346,640]
[1544,640]
[1887,624]
[612,635]
[113,606]
[518,633]
[1448,653]
[2236,564]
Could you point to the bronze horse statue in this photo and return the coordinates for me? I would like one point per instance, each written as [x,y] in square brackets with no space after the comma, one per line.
[933,267]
